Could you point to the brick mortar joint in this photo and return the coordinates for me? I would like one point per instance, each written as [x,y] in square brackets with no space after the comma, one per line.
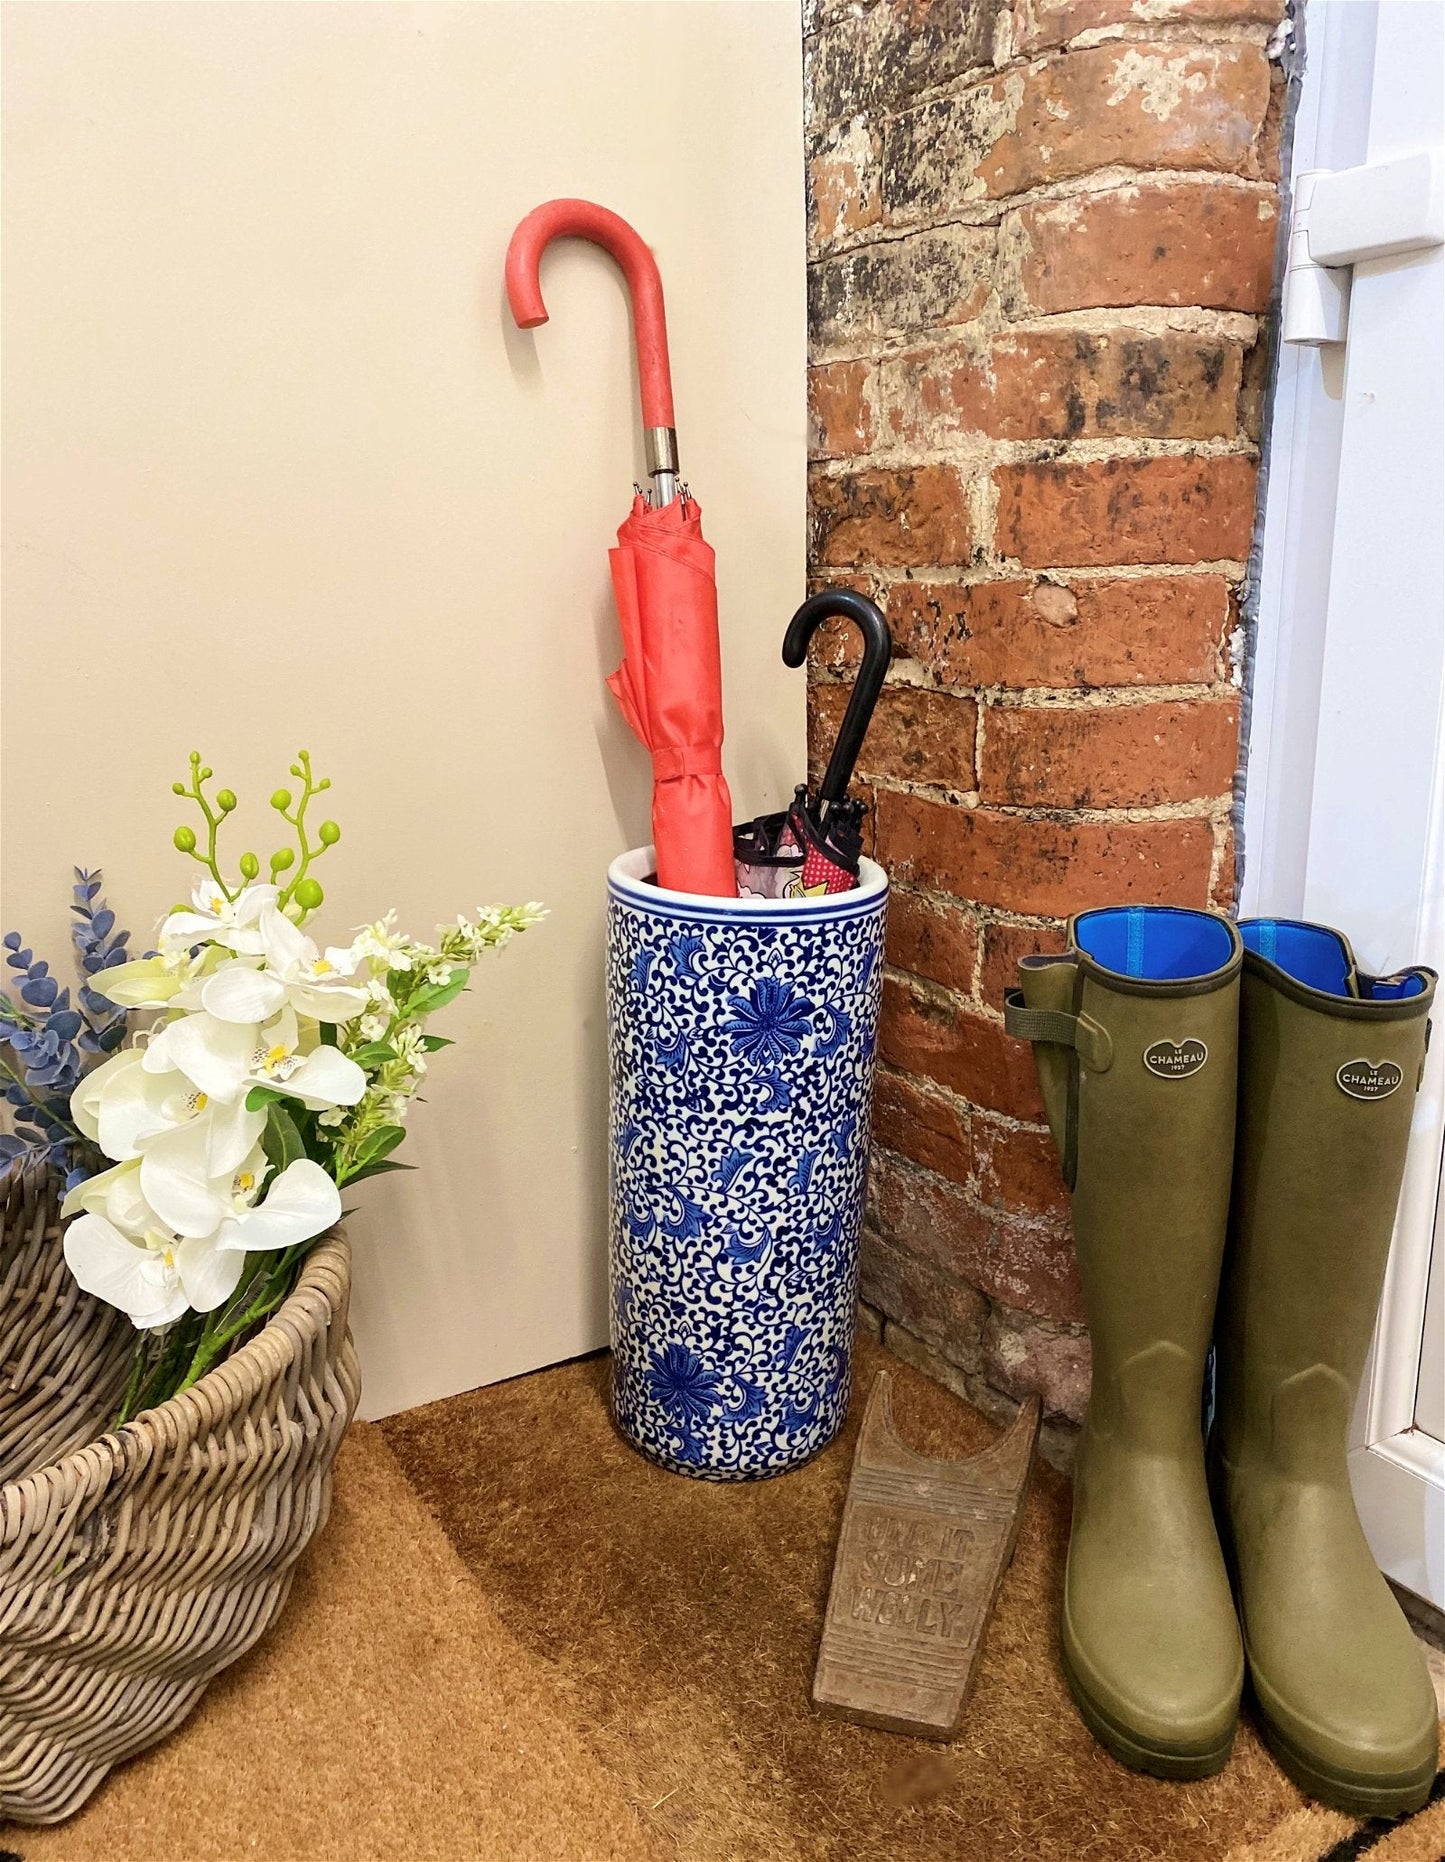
[1198,808]
[987,216]
[1000,569]
[1241,329]
[1055,1227]
[975,452]
[1067,698]
[987,916]
[1010,569]
[1005,1121]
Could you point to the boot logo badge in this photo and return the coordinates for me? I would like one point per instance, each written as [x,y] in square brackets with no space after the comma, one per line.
[1175,1060]
[1369,1079]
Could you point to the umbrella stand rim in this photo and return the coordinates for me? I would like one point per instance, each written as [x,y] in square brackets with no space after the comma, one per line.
[627,876]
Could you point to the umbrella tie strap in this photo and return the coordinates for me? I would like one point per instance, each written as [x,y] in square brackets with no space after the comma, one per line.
[671,762]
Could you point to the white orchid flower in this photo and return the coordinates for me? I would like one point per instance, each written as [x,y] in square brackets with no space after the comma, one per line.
[295,973]
[302,1202]
[187,1190]
[225,1059]
[124,1105]
[126,1251]
[219,920]
[127,1257]
[113,1193]
[177,1183]
[144,982]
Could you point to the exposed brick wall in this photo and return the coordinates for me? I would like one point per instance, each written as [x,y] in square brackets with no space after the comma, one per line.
[1041,241]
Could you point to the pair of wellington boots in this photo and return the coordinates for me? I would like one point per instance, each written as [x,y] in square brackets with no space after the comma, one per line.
[1232,1106]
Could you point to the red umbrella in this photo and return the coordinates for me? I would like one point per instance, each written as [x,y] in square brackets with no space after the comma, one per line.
[669,684]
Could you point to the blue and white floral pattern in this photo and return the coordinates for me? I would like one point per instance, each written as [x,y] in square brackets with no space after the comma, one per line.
[742,1052]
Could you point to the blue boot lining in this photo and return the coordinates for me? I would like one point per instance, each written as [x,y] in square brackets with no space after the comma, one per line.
[1317,957]
[1154,941]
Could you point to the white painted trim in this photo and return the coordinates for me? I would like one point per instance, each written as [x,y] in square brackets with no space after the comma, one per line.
[1399,1487]
[1306,419]
[1344,818]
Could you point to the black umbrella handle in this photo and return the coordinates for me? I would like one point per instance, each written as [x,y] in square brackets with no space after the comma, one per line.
[877,651]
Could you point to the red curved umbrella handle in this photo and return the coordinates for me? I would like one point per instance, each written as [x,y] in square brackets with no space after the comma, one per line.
[584,219]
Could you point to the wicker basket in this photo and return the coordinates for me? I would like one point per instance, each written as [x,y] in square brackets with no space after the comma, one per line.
[134,1567]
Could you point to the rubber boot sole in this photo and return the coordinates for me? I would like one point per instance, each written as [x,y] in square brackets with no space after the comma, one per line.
[1358,1795]
[1354,1793]
[1130,1750]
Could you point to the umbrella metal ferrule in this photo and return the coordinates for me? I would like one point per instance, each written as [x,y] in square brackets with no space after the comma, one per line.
[661,448]
[661,445]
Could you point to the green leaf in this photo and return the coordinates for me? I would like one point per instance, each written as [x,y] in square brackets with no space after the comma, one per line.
[330,1035]
[430,1000]
[377,1144]
[377,1169]
[262,1096]
[431,1042]
[373,1053]
[281,1141]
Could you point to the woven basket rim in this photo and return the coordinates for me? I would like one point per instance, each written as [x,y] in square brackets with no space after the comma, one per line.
[319,1297]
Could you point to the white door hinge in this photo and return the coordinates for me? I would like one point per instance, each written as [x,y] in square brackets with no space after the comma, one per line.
[1345,216]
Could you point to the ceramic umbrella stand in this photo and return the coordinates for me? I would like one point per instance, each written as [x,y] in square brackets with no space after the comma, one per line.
[742,1053]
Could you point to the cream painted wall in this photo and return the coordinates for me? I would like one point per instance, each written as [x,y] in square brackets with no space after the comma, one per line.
[278,472]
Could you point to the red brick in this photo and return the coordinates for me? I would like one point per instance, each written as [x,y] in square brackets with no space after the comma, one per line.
[892,518]
[1041,868]
[924,1297]
[1066,384]
[922,1125]
[1149,630]
[1017,1169]
[899,287]
[931,939]
[927,1033]
[1271,136]
[1109,756]
[1222,895]
[843,183]
[837,646]
[1003,945]
[1024,1356]
[874,58]
[1174,106]
[841,400]
[1176,509]
[914,736]
[1030,1266]
[1042,23]
[1168,243]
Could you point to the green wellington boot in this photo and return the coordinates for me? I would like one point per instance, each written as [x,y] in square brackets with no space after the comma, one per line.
[1330,1060]
[1134,1033]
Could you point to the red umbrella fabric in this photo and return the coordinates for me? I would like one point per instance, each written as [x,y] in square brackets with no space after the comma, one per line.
[669,686]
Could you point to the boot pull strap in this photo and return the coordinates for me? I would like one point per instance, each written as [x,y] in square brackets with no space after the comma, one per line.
[1059,1029]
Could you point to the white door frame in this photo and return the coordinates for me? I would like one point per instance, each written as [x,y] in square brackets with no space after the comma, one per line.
[1344,817]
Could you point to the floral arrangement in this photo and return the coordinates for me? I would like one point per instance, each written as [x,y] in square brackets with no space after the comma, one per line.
[263,1074]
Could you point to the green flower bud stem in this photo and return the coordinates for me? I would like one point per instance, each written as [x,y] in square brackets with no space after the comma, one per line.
[304,893]
[201,773]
